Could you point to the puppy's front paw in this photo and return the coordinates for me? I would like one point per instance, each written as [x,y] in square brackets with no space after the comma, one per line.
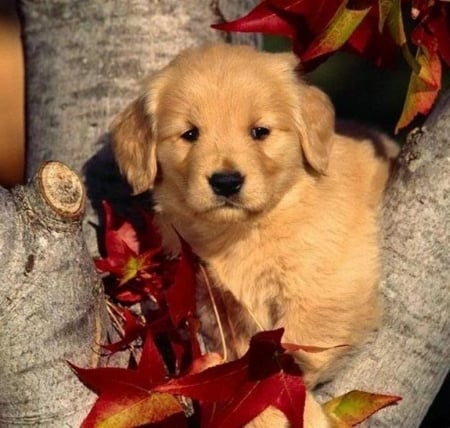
[313,417]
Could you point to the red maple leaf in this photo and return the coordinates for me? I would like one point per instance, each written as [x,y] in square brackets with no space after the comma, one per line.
[126,397]
[265,376]
[434,20]
[132,258]
[370,28]
[319,28]
[366,40]
[180,295]
[132,329]
[423,85]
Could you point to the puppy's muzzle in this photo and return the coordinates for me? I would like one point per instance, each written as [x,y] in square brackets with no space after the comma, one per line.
[226,183]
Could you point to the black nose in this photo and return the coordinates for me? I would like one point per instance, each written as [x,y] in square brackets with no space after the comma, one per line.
[226,183]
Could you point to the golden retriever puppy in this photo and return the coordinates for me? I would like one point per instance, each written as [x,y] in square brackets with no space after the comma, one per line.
[245,162]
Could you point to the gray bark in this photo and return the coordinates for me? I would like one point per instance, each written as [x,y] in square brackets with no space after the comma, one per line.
[83,62]
[410,356]
[51,301]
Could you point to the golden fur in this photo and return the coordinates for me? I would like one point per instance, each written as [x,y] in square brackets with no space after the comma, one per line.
[297,246]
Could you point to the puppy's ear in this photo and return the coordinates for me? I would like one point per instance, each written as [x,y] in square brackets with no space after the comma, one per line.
[315,122]
[134,147]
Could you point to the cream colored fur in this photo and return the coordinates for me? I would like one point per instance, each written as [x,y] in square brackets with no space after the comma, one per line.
[297,247]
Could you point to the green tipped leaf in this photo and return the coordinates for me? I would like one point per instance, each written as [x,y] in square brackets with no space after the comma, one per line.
[423,87]
[337,32]
[384,9]
[355,407]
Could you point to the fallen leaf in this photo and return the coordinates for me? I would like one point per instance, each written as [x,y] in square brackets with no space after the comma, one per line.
[355,407]
[265,376]
[130,408]
[126,396]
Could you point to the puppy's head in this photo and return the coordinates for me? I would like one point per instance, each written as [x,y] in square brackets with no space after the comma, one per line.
[225,131]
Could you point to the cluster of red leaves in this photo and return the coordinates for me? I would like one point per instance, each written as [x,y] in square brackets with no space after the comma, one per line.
[226,394]
[139,271]
[370,28]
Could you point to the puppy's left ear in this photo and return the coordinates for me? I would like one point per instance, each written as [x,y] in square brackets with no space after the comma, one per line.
[315,122]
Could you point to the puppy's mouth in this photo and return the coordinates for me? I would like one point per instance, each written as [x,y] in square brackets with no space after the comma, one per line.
[232,204]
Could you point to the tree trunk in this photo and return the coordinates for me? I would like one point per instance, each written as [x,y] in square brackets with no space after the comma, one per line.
[82,65]
[51,300]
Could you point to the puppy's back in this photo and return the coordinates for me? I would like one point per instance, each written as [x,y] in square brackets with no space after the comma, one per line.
[366,156]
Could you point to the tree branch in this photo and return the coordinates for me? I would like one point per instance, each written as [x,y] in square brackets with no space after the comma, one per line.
[51,300]
[410,354]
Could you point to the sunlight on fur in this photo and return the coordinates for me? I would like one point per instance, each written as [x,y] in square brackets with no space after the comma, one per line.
[244,160]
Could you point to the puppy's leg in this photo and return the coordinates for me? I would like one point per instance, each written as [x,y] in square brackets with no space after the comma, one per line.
[313,417]
[338,330]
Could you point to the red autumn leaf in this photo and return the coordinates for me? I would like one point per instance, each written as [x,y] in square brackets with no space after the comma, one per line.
[138,265]
[203,362]
[217,383]
[150,372]
[103,379]
[121,244]
[262,19]
[145,285]
[434,20]
[280,390]
[120,241]
[133,258]
[423,87]
[130,408]
[336,33]
[133,328]
[355,407]
[373,29]
[180,295]
[319,28]
[264,376]
[384,10]
[369,42]
[118,225]
[126,396]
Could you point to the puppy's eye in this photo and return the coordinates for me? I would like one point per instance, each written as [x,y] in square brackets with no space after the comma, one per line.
[259,133]
[191,135]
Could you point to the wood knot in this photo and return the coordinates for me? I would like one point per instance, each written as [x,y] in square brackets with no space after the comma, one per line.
[62,189]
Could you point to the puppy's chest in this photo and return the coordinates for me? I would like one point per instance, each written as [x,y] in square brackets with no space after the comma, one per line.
[258,279]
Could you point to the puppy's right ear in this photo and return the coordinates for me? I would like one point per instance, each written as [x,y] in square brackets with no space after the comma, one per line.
[134,147]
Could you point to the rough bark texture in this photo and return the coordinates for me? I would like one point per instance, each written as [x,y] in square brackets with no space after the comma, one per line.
[84,62]
[51,301]
[411,354]
[83,65]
